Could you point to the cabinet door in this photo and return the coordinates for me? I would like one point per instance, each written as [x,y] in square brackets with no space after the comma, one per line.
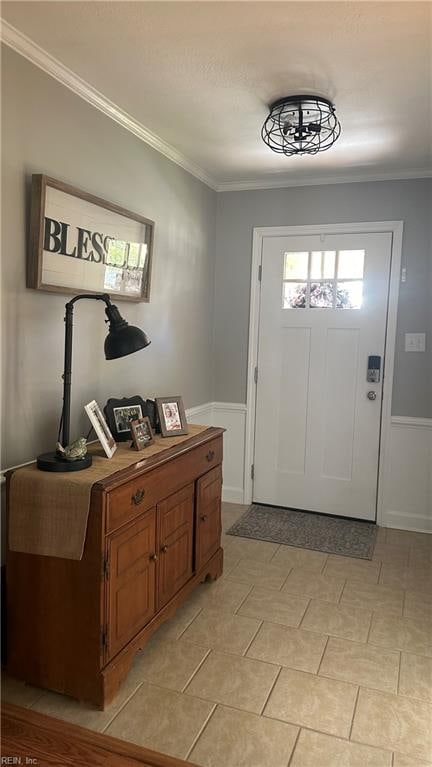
[132,580]
[176,543]
[208,519]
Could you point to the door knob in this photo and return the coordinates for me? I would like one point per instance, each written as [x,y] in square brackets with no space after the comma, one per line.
[204,518]
[371,395]
[164,549]
[153,557]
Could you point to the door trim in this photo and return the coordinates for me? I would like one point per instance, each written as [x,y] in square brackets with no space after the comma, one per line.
[366,227]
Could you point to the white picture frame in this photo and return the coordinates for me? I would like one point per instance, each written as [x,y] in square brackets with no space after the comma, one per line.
[101,428]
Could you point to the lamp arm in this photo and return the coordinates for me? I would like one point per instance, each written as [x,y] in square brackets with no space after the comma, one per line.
[67,371]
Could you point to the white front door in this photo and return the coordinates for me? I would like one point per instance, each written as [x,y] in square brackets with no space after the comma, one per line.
[323,313]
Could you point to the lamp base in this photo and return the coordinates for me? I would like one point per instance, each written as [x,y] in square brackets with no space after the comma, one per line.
[52,462]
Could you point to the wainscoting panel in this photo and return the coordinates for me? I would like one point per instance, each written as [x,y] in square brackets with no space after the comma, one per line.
[408,475]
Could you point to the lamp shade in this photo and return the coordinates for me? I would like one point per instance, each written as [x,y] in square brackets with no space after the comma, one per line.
[122,338]
[126,341]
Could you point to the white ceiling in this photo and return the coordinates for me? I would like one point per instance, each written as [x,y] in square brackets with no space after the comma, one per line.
[199,75]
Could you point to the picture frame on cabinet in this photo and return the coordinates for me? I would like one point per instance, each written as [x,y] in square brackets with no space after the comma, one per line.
[172,416]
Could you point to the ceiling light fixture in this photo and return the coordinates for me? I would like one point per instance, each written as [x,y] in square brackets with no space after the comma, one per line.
[301,125]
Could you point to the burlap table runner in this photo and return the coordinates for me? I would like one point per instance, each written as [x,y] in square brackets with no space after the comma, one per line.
[48,511]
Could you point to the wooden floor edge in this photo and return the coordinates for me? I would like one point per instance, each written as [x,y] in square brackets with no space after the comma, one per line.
[23,717]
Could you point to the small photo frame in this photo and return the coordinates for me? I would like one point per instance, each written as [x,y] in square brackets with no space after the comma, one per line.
[142,433]
[119,412]
[101,428]
[172,416]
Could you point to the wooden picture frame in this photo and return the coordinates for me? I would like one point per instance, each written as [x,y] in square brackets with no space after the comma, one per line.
[80,243]
[142,433]
[172,416]
[120,411]
[101,428]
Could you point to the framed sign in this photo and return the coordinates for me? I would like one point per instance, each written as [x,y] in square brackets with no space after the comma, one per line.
[82,244]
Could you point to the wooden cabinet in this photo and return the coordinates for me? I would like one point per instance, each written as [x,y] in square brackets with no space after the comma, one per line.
[132,579]
[153,535]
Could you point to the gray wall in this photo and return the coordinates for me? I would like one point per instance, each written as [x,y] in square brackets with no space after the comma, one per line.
[239,212]
[47,129]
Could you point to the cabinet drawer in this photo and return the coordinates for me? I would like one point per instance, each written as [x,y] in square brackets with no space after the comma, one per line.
[133,498]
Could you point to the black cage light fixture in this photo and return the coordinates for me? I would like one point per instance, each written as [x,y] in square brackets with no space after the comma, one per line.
[299,125]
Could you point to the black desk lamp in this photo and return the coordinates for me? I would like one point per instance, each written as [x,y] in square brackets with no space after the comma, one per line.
[122,339]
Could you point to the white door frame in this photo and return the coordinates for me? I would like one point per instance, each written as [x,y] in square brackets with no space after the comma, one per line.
[366,227]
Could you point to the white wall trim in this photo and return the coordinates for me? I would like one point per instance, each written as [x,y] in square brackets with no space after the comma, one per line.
[396,228]
[53,67]
[412,423]
[284,182]
[38,56]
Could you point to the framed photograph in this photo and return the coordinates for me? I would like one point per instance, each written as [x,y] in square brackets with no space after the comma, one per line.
[120,412]
[101,428]
[142,434]
[172,416]
[80,243]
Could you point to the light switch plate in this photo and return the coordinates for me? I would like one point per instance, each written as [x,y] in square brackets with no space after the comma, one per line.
[415,342]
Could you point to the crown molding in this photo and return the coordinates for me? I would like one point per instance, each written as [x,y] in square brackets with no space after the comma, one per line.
[286,181]
[26,47]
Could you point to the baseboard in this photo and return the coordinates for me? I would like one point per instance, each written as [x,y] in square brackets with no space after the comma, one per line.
[232,494]
[407,480]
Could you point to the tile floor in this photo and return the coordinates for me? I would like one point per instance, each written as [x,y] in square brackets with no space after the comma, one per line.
[291,658]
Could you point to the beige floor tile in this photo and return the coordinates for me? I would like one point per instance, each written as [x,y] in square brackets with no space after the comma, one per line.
[249,548]
[285,646]
[305,558]
[413,578]
[84,714]
[354,569]
[418,604]
[381,534]
[230,560]
[391,721]
[231,512]
[416,677]
[163,720]
[374,597]
[345,621]
[408,634]
[239,739]
[407,538]
[175,626]
[396,555]
[222,594]
[167,663]
[419,556]
[304,582]
[265,574]
[274,606]
[222,631]
[314,749]
[235,681]
[400,760]
[313,701]
[361,664]
[19,693]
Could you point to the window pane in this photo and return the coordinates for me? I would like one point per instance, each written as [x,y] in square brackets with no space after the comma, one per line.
[296,266]
[321,295]
[349,295]
[323,264]
[351,264]
[294,295]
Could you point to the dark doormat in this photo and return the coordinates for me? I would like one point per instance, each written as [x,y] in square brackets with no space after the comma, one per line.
[307,530]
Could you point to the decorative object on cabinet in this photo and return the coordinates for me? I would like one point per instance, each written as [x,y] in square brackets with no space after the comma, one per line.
[122,339]
[152,535]
[101,428]
[142,434]
[112,254]
[153,415]
[120,412]
[172,416]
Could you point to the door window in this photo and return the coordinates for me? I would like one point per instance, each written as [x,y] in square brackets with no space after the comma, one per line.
[323,279]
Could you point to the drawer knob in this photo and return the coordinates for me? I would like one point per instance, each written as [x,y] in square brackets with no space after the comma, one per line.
[204,518]
[210,455]
[164,549]
[138,497]
[153,557]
